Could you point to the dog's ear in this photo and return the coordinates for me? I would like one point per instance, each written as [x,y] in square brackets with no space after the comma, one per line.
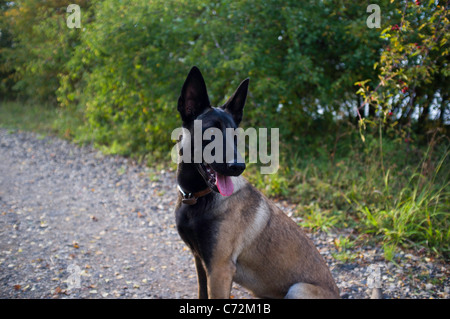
[235,104]
[194,97]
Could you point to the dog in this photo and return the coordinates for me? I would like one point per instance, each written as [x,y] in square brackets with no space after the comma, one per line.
[234,232]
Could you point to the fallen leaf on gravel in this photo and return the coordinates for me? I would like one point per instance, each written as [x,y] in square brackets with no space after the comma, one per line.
[17,287]
[58,290]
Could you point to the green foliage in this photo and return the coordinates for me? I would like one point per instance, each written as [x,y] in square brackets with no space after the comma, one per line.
[413,67]
[14,115]
[402,200]
[6,64]
[41,45]
[418,214]
[124,68]
[343,249]
[118,77]
[41,118]
[124,71]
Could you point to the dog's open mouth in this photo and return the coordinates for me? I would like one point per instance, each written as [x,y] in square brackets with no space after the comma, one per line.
[223,183]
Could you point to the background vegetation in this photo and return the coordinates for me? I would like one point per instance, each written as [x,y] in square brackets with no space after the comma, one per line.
[363,113]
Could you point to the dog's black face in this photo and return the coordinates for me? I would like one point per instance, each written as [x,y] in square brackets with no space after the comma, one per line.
[193,105]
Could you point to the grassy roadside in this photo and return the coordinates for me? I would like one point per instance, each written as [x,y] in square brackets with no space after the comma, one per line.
[397,196]
[398,200]
[33,117]
[40,118]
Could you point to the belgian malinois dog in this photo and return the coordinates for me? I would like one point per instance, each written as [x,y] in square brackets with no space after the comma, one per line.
[234,232]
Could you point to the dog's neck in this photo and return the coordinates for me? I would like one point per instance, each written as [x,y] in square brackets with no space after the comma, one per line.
[189,178]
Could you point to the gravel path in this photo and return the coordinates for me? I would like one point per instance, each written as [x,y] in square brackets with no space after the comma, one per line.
[78,224]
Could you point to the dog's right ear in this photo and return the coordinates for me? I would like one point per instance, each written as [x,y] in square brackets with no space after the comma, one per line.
[194,97]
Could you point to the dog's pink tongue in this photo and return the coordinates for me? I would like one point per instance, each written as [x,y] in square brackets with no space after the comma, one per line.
[224,184]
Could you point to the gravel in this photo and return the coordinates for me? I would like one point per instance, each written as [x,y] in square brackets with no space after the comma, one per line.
[75,223]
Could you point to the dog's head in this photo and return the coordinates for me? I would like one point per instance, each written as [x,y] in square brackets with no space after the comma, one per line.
[193,104]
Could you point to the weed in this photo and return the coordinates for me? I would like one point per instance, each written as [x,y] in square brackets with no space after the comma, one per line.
[343,249]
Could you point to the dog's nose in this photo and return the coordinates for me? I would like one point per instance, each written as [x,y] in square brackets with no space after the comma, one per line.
[236,169]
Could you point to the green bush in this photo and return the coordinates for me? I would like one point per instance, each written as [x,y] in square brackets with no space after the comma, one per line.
[133,57]
[40,47]
[120,74]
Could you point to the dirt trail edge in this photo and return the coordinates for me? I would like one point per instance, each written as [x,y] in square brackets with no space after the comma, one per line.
[75,223]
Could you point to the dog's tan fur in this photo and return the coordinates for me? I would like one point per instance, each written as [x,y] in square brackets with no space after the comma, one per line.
[240,236]
[262,249]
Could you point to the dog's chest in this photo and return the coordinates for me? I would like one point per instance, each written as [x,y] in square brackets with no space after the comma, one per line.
[198,229]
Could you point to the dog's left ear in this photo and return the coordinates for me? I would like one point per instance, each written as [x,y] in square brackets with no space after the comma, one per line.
[235,104]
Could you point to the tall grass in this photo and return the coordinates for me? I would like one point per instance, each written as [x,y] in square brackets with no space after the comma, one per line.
[31,117]
[418,214]
[397,192]
[40,118]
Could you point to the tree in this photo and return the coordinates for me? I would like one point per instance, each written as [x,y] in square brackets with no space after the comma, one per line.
[413,66]
[6,61]
[41,45]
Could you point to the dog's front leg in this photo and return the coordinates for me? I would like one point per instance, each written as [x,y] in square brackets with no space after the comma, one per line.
[220,278]
[201,279]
